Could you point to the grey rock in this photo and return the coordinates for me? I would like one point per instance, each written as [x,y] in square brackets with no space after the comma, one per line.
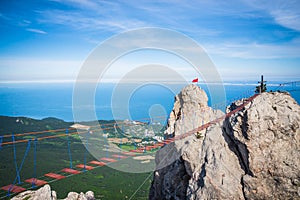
[196,167]
[90,195]
[253,154]
[267,136]
[45,193]
[81,196]
[72,196]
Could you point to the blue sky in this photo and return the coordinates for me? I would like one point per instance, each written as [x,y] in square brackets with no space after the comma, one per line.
[48,40]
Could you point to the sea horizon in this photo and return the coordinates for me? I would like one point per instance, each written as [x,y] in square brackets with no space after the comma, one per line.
[43,100]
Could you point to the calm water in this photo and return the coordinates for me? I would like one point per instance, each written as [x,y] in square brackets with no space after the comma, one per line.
[55,100]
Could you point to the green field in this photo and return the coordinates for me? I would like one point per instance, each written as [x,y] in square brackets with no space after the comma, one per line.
[52,155]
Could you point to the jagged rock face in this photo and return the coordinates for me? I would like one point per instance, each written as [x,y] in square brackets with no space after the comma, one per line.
[45,193]
[266,134]
[196,167]
[253,154]
[190,109]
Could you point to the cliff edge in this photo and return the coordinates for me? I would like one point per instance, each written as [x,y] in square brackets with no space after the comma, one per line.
[252,154]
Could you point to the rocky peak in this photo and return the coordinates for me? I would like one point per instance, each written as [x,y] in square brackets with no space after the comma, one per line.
[190,109]
[192,94]
[252,154]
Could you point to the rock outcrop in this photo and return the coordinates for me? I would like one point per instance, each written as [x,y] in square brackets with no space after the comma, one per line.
[253,154]
[265,135]
[45,193]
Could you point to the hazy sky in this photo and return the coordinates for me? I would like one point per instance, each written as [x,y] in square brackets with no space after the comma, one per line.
[48,40]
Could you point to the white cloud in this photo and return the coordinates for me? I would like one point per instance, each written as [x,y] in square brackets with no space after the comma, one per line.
[287,18]
[285,13]
[82,3]
[38,81]
[34,69]
[255,50]
[36,31]
[79,20]
[87,4]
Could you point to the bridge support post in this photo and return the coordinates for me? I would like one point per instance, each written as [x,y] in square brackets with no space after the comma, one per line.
[15,158]
[69,149]
[34,162]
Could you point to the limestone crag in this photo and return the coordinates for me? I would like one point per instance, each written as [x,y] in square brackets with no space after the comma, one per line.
[198,165]
[266,138]
[190,109]
[253,154]
[46,193]
[42,193]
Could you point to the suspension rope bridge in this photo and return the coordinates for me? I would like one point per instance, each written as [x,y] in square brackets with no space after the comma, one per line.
[64,173]
[289,86]
[49,177]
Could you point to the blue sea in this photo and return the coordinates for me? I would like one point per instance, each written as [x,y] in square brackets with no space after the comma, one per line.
[111,101]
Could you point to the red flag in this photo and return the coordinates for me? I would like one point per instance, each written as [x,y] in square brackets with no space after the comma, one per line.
[195,80]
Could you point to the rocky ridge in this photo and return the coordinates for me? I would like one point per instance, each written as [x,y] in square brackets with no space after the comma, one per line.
[253,154]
